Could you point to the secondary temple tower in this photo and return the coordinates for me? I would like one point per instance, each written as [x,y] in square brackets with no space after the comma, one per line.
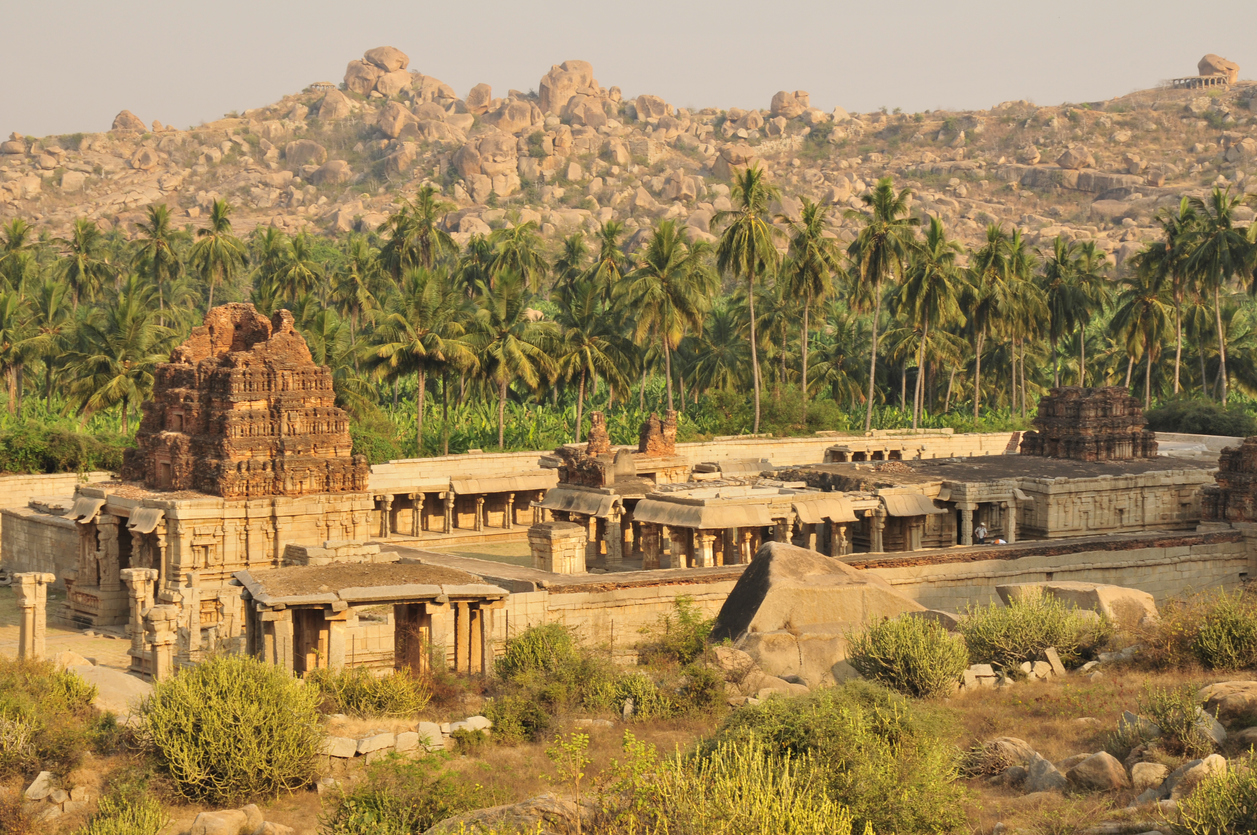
[1090,424]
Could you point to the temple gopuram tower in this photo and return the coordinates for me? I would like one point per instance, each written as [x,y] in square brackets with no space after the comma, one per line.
[1090,424]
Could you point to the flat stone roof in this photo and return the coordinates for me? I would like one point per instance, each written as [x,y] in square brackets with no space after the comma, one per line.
[362,583]
[994,467]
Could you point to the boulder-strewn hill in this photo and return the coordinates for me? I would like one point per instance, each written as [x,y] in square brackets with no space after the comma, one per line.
[576,153]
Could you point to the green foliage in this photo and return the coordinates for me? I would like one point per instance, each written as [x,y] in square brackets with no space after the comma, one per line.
[123,815]
[915,656]
[1227,636]
[1222,803]
[567,752]
[360,692]
[46,718]
[740,786]
[1177,713]
[544,648]
[400,797]
[1202,417]
[33,448]
[375,437]
[1008,635]
[872,751]
[703,688]
[612,693]
[680,635]
[233,728]
[517,718]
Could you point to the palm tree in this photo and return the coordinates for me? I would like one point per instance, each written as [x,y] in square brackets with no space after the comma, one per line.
[474,265]
[414,237]
[357,280]
[1164,262]
[217,253]
[15,252]
[1219,251]
[1026,309]
[83,264]
[14,341]
[117,354]
[746,249]
[510,346]
[1061,297]
[879,253]
[841,347]
[518,250]
[1091,279]
[1142,319]
[156,252]
[570,265]
[302,273]
[51,325]
[612,264]
[930,293]
[424,330]
[591,344]
[669,292]
[722,358]
[812,261]
[986,297]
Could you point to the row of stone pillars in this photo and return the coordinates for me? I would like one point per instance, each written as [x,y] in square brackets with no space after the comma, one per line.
[447,526]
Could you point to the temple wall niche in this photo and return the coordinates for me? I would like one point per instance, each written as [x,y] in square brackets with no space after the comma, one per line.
[242,411]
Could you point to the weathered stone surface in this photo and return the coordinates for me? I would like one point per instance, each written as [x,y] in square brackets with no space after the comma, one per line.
[1144,776]
[650,107]
[561,83]
[305,152]
[1042,776]
[376,742]
[658,437]
[1090,424]
[1186,777]
[360,77]
[145,159]
[1118,603]
[1231,701]
[128,121]
[1076,158]
[392,83]
[479,98]
[789,104]
[226,822]
[332,172]
[242,411]
[335,105]
[387,58]
[546,813]
[42,786]
[1099,772]
[340,746]
[1234,498]
[1217,65]
[429,735]
[117,692]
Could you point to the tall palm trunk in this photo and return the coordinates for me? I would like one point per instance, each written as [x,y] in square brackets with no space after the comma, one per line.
[1148,380]
[580,404]
[806,306]
[750,298]
[445,412]
[641,399]
[1056,376]
[877,314]
[951,378]
[1023,379]
[1082,355]
[1130,367]
[667,369]
[977,377]
[421,377]
[211,289]
[502,415]
[1217,316]
[1178,337]
[916,395]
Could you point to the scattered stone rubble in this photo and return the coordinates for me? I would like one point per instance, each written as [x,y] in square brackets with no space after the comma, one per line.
[46,799]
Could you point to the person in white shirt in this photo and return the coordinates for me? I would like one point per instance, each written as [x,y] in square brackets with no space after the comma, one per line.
[979,534]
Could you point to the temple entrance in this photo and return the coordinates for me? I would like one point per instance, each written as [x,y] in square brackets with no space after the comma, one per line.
[412,637]
[309,633]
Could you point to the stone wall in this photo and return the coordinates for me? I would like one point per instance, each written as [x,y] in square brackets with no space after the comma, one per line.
[1164,565]
[35,541]
[18,490]
[1069,507]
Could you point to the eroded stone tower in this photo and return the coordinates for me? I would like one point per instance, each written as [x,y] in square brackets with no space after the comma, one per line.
[1090,424]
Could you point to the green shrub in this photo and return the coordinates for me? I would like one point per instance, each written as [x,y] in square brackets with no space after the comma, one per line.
[611,695]
[517,719]
[360,692]
[119,815]
[702,688]
[544,648]
[400,797]
[233,728]
[1176,712]
[1202,417]
[740,786]
[1227,635]
[915,656]
[1222,803]
[680,635]
[874,751]
[46,717]
[13,817]
[1008,635]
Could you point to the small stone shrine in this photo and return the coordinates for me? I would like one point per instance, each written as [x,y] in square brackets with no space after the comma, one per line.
[242,411]
[1090,424]
[1234,497]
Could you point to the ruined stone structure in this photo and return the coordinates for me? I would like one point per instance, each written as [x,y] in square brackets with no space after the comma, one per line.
[659,437]
[242,411]
[1234,497]
[1090,424]
[599,440]
[32,605]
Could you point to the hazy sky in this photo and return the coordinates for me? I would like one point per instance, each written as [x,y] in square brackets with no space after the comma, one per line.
[73,64]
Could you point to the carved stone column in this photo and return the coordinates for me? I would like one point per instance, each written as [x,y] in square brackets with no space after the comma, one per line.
[966,522]
[876,527]
[32,604]
[386,513]
[745,549]
[508,520]
[449,511]
[139,583]
[416,525]
[160,625]
[192,604]
[159,558]
[479,513]
[615,538]
[1010,526]
[781,530]
[107,552]
[811,536]
[651,545]
[705,556]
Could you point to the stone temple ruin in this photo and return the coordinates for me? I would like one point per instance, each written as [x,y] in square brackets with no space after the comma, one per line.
[243,521]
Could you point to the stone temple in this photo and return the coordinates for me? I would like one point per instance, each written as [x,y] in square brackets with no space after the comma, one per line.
[242,411]
[1090,424]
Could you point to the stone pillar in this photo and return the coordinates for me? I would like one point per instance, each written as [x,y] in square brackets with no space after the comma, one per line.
[386,513]
[1010,526]
[416,524]
[107,554]
[651,545]
[781,530]
[614,534]
[441,622]
[811,536]
[706,555]
[449,511]
[284,639]
[877,526]
[486,636]
[838,545]
[508,520]
[139,583]
[32,604]
[593,545]
[337,626]
[475,640]
[160,626]
[558,547]
[966,522]
[462,638]
[746,549]
[159,558]
[479,513]
[192,603]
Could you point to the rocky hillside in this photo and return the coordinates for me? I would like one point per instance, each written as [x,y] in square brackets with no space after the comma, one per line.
[574,154]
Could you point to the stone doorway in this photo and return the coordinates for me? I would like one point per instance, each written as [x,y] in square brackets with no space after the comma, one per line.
[310,635]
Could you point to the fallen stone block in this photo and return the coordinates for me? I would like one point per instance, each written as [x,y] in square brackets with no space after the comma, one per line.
[376,742]
[340,746]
